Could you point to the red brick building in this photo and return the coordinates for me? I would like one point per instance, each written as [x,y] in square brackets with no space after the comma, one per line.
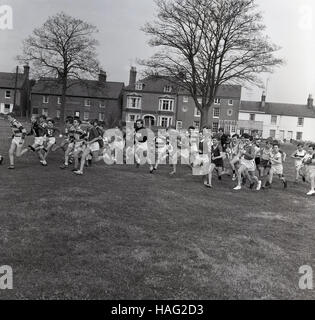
[159,102]
[223,113]
[152,99]
[88,99]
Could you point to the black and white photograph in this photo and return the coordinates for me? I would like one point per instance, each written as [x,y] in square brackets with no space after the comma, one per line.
[157,150]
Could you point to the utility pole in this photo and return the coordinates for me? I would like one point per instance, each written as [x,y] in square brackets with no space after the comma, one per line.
[15,88]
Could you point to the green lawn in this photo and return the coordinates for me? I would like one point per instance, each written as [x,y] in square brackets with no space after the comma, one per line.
[120,233]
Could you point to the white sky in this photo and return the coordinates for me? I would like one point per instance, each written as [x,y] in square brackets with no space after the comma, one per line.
[290,24]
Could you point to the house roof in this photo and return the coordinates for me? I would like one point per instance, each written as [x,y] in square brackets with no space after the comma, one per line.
[157,84]
[84,88]
[280,109]
[7,80]
[154,84]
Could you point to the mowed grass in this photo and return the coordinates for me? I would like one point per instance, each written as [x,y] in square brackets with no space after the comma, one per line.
[120,233]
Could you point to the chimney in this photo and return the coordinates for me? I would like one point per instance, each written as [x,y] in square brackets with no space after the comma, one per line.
[102,76]
[263,99]
[26,71]
[310,101]
[133,76]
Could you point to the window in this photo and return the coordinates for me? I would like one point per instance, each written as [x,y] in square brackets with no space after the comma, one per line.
[299,135]
[233,129]
[101,116]
[59,100]
[230,112]
[179,125]
[196,124]
[197,112]
[231,102]
[8,94]
[133,117]
[58,114]
[165,121]
[300,122]
[139,86]
[87,102]
[77,114]
[86,115]
[272,133]
[134,102]
[185,99]
[35,111]
[45,99]
[252,117]
[215,126]
[216,112]
[45,112]
[166,105]
[273,119]
[7,108]
[102,104]
[167,89]
[217,101]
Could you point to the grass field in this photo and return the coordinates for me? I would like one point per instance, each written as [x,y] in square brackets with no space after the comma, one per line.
[120,233]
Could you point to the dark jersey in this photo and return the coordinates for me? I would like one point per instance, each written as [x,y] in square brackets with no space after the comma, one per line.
[141,135]
[38,130]
[92,133]
[51,132]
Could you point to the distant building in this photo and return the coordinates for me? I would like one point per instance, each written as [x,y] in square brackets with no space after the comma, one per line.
[8,83]
[87,99]
[278,120]
[222,114]
[152,99]
[161,103]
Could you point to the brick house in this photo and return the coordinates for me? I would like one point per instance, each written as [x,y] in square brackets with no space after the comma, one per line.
[88,99]
[223,113]
[159,102]
[7,91]
[152,99]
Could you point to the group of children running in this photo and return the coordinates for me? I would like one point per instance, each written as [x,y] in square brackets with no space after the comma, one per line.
[243,158]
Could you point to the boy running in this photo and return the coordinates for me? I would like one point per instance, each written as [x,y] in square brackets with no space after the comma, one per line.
[247,164]
[276,166]
[18,136]
[298,156]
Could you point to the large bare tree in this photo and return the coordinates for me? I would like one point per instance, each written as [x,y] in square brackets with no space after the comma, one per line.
[63,48]
[206,43]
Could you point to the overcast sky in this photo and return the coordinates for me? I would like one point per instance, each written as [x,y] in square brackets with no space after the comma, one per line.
[289,24]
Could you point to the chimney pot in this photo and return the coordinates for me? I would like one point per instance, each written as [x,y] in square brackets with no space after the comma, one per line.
[310,101]
[133,76]
[102,76]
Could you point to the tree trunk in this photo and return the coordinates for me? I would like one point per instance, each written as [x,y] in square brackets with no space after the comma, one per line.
[204,119]
[63,101]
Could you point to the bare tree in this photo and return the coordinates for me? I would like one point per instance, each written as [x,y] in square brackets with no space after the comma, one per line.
[63,48]
[207,43]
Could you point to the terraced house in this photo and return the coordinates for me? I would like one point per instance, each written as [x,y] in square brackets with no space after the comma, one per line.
[161,103]
[152,99]
[281,121]
[87,99]
[15,92]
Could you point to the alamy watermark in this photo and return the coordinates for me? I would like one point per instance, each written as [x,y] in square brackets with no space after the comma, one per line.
[6,17]
[6,278]
[306,280]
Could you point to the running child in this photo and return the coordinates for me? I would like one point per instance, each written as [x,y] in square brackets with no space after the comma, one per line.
[298,156]
[18,136]
[277,166]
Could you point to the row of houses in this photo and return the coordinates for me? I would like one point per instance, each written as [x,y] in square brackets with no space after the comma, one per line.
[158,102]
